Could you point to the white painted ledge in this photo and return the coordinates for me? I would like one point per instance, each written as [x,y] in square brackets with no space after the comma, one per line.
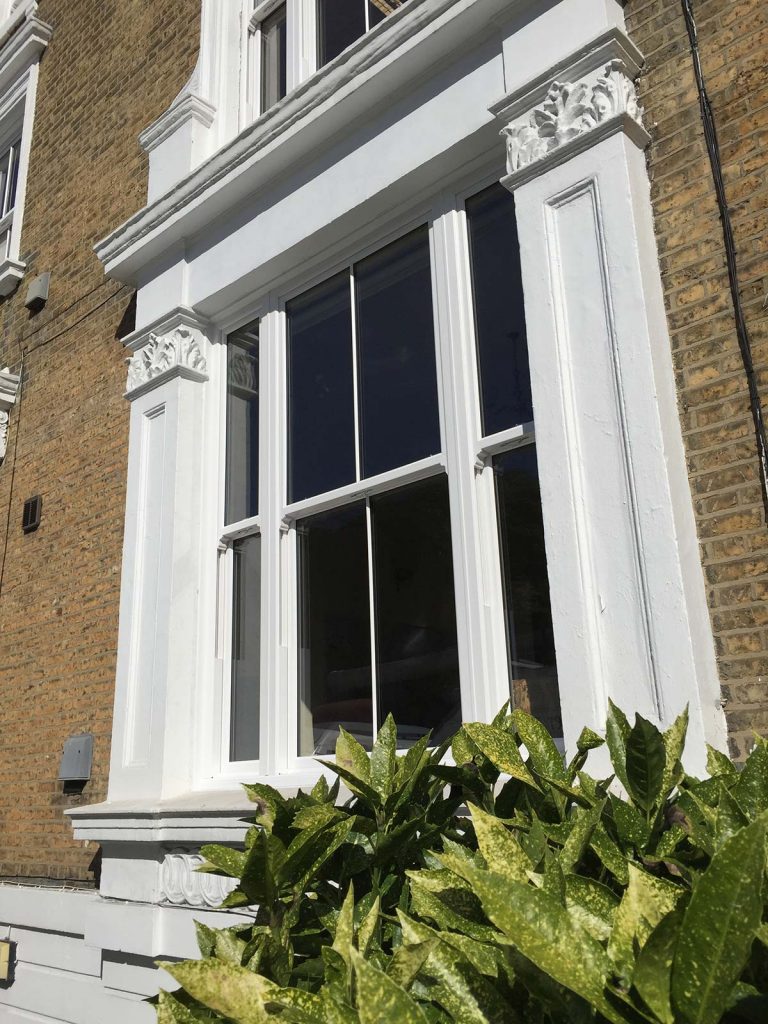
[24,40]
[392,56]
[11,273]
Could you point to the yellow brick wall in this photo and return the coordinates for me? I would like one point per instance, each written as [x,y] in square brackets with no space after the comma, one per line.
[714,409]
[111,69]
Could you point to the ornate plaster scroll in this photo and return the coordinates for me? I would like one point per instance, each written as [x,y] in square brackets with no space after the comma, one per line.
[180,348]
[3,433]
[569,111]
[182,885]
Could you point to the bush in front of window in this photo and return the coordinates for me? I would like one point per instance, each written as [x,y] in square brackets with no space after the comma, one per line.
[554,900]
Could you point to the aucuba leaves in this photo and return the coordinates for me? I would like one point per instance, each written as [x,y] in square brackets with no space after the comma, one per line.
[507,886]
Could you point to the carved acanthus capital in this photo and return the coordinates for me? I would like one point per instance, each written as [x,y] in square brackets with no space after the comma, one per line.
[4,419]
[173,348]
[183,885]
[571,109]
[9,386]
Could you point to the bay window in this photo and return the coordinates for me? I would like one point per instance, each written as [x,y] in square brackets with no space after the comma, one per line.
[367,549]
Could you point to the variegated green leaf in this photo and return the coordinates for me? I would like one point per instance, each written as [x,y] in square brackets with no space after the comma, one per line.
[345,926]
[384,758]
[646,900]
[368,927]
[466,994]
[221,860]
[674,745]
[501,750]
[646,761]
[171,1011]
[719,763]
[719,927]
[352,757]
[380,999]
[751,791]
[546,934]
[617,732]
[502,852]
[653,971]
[268,802]
[610,854]
[545,757]
[592,904]
[232,991]
[407,961]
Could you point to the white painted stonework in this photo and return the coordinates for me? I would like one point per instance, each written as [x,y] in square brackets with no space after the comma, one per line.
[9,388]
[247,210]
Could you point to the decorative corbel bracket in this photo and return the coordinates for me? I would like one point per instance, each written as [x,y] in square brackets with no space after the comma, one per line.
[183,885]
[571,107]
[9,388]
[171,347]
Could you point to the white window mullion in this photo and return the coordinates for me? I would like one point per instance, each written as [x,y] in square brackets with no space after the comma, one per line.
[273,740]
[479,604]
[372,601]
[355,377]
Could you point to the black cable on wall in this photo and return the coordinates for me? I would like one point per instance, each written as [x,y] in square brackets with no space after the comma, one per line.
[713,149]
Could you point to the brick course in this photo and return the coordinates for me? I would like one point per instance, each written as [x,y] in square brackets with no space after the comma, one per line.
[111,69]
[714,407]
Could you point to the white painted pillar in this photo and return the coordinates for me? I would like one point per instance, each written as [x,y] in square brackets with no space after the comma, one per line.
[158,658]
[628,600]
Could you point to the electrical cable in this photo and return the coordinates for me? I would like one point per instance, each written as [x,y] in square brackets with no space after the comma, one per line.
[713,150]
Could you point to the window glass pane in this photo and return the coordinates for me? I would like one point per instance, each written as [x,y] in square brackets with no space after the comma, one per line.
[334,629]
[530,639]
[505,387]
[246,650]
[321,416]
[399,420]
[14,163]
[273,58]
[242,491]
[416,656]
[4,169]
[340,22]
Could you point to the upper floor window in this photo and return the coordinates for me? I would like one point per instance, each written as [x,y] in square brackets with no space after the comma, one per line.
[282,52]
[9,177]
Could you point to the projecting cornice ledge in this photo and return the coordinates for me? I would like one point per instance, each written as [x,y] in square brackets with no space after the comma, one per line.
[571,107]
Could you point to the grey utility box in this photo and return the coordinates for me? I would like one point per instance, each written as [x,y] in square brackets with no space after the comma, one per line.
[76,759]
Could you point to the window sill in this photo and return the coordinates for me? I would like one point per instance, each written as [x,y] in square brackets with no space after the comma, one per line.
[11,273]
[215,816]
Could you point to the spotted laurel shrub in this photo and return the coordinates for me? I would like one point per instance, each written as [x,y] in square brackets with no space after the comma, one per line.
[505,886]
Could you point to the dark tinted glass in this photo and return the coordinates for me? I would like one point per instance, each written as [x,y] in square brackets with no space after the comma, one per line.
[530,641]
[334,630]
[505,386]
[321,417]
[340,22]
[273,58]
[14,172]
[399,421]
[416,656]
[246,650]
[242,489]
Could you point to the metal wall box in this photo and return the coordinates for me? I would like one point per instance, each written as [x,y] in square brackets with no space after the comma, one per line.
[37,293]
[76,759]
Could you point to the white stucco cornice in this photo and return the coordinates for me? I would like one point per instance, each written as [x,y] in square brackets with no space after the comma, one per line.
[397,53]
[186,107]
[21,47]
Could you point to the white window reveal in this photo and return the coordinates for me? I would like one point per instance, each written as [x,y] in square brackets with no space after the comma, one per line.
[366,506]
[9,178]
